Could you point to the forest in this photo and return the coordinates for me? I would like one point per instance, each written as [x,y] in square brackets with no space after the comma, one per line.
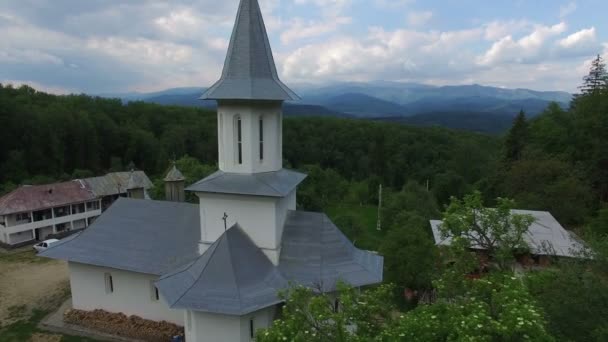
[557,161]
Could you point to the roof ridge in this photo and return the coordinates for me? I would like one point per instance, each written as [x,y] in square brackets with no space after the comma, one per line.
[236,282]
[201,273]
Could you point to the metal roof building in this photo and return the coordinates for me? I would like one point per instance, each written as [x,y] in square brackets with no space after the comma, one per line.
[544,237]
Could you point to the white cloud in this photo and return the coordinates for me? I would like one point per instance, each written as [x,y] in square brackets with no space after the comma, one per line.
[419,18]
[300,29]
[496,30]
[584,37]
[329,8]
[525,50]
[567,9]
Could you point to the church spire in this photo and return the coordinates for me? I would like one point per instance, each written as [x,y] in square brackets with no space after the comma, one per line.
[249,70]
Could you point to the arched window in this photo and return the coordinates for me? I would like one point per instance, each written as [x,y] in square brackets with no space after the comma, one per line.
[239,139]
[261,123]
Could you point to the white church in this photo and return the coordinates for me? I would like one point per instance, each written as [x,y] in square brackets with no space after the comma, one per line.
[215,268]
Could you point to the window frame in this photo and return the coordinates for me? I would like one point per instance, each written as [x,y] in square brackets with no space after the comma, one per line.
[109,281]
[261,136]
[239,139]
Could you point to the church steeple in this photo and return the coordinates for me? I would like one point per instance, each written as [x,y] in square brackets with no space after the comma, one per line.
[249,70]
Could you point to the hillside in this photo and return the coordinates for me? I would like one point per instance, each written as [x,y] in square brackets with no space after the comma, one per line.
[468,107]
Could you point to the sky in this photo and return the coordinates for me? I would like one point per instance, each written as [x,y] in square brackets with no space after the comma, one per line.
[118,46]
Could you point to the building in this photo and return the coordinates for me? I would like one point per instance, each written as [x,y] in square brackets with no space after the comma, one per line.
[32,213]
[216,267]
[545,237]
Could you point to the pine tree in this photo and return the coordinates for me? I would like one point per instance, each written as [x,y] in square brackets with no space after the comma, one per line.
[597,79]
[516,138]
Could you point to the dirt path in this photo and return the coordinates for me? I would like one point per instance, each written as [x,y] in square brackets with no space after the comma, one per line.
[28,282]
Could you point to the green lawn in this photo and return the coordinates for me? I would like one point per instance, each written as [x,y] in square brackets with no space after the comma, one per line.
[358,223]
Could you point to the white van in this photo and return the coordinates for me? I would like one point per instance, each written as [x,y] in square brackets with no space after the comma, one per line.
[39,247]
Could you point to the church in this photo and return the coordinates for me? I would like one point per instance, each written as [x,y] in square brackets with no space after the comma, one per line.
[216,267]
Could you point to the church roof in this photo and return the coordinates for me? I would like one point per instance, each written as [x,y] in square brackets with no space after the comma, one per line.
[269,184]
[249,69]
[232,277]
[144,236]
[315,253]
[174,175]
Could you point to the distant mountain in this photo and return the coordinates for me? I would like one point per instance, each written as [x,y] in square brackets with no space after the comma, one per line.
[177,98]
[472,107]
[362,105]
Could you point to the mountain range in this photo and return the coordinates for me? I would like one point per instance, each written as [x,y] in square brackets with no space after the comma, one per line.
[468,107]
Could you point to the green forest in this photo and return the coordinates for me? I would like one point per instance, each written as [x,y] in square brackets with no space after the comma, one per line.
[556,162]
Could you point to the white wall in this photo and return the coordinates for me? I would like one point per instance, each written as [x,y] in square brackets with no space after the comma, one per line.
[19,237]
[208,327]
[250,114]
[255,214]
[132,293]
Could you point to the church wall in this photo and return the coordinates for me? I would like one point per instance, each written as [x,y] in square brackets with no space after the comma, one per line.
[132,293]
[209,327]
[255,214]
[283,205]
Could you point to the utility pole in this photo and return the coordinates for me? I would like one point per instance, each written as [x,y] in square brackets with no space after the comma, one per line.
[379,223]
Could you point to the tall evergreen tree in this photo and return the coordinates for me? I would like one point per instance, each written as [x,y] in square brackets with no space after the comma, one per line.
[516,138]
[597,79]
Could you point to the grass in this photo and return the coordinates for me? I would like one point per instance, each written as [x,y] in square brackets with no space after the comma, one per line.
[363,230]
[22,256]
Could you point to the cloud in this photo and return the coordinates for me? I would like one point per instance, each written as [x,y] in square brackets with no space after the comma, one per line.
[419,18]
[567,9]
[584,37]
[496,30]
[300,29]
[528,49]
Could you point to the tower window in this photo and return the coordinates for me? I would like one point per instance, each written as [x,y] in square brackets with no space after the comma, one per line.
[261,138]
[239,140]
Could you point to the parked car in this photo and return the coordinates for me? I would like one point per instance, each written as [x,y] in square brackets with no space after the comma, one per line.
[42,246]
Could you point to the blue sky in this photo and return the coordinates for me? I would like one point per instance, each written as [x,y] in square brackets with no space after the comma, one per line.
[108,46]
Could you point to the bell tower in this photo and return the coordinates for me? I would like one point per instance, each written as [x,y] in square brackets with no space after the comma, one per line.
[251,188]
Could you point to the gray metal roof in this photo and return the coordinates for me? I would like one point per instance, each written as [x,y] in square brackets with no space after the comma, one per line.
[269,184]
[232,277]
[118,182]
[315,253]
[545,236]
[249,69]
[174,175]
[142,236]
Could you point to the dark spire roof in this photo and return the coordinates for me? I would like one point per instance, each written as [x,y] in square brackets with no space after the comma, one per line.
[174,175]
[249,70]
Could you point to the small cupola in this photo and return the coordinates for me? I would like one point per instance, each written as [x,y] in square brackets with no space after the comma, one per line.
[174,185]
